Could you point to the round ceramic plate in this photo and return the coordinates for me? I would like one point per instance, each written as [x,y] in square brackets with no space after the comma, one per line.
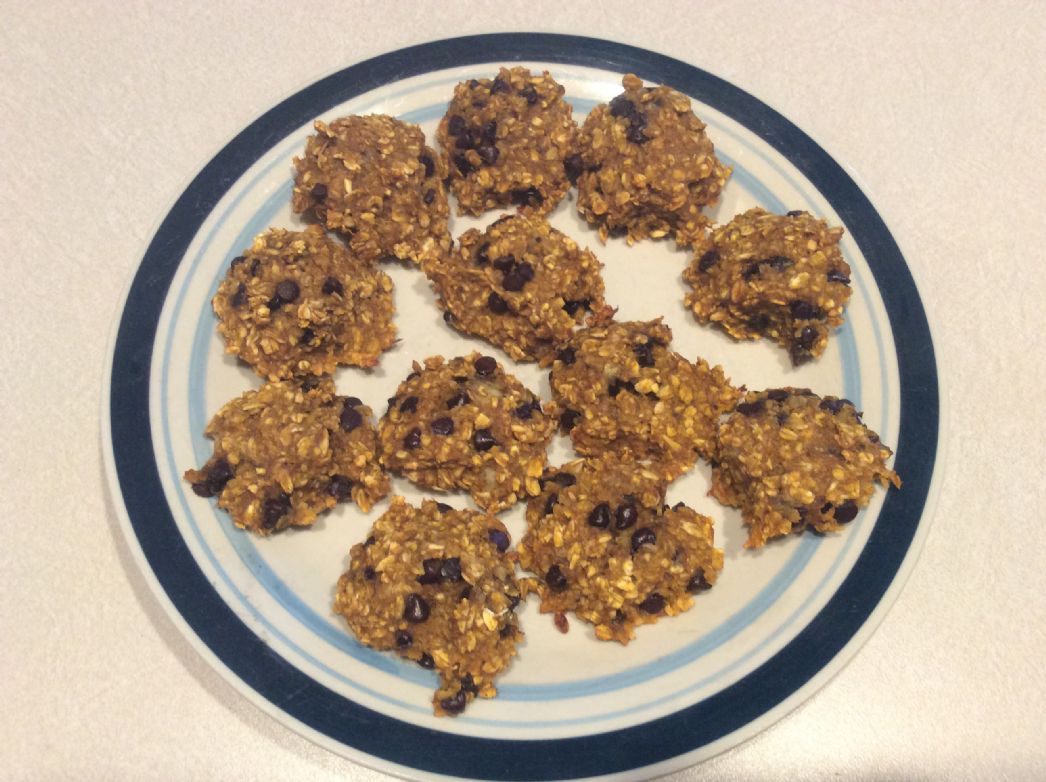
[780,620]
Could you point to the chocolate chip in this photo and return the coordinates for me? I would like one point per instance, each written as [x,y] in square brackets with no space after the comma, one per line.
[370,573]
[274,509]
[255,267]
[415,608]
[443,426]
[599,516]
[319,191]
[564,479]
[455,704]
[804,310]
[550,503]
[795,213]
[751,408]
[429,197]
[777,394]
[310,383]
[331,286]
[370,541]
[838,275]
[485,365]
[351,401]
[468,684]
[499,85]
[307,336]
[237,261]
[450,570]
[459,399]
[455,125]
[507,631]
[463,165]
[573,165]
[644,536]
[635,135]
[846,512]
[287,291]
[568,419]
[499,538]
[759,322]
[555,579]
[467,140]
[530,94]
[409,405]
[350,418]
[518,277]
[403,639]
[412,439]
[483,440]
[426,661]
[625,516]
[488,153]
[239,298]
[218,474]
[807,338]
[527,196]
[443,507]
[834,405]
[751,270]
[698,582]
[431,571]
[430,166]
[465,593]
[654,604]
[617,385]
[481,258]
[340,488]
[567,356]
[573,305]
[489,131]
[622,107]
[448,317]
[708,260]
[504,263]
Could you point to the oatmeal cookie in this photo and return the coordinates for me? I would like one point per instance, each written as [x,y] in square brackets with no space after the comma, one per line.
[604,546]
[790,460]
[373,179]
[437,586]
[619,387]
[647,167]
[520,285]
[776,276]
[299,303]
[287,452]
[509,140]
[467,424]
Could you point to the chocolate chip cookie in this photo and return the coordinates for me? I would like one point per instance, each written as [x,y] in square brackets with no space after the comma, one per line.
[437,586]
[373,179]
[781,277]
[791,460]
[467,424]
[647,168]
[520,285]
[287,452]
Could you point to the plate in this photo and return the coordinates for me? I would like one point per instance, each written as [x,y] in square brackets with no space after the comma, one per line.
[779,622]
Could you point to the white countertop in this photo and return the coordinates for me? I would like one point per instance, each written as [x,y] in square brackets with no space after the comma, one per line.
[109,109]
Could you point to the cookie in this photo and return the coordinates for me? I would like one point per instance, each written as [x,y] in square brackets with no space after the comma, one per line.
[373,179]
[520,285]
[289,451]
[619,387]
[299,303]
[467,424]
[791,460]
[508,140]
[437,586]
[603,545]
[778,277]
[647,168]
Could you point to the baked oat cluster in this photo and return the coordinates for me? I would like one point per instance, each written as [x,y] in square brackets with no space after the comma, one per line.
[437,586]
[510,140]
[781,277]
[467,424]
[605,547]
[372,179]
[520,285]
[298,303]
[647,168]
[790,459]
[619,388]
[289,451]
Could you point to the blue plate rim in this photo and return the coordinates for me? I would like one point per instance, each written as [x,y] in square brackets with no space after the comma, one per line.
[234,645]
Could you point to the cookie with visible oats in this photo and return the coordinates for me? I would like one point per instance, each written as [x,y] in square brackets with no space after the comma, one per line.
[289,451]
[647,168]
[520,285]
[603,545]
[509,140]
[780,277]
[299,303]
[791,460]
[467,424]
[619,387]
[437,586]
[373,179]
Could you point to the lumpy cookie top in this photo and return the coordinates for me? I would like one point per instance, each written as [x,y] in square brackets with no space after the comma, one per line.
[647,168]
[467,424]
[509,140]
[790,460]
[373,179]
[299,303]
[521,285]
[776,276]
[619,387]
[603,545]
[288,451]
[437,586]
